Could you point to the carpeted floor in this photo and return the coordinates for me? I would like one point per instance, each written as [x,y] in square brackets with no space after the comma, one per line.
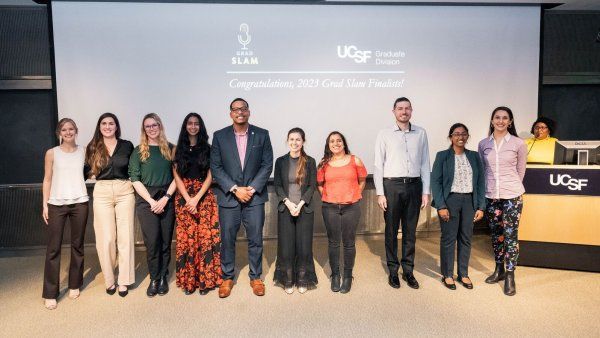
[548,302]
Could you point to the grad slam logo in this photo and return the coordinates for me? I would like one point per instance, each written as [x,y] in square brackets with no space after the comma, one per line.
[359,56]
[244,55]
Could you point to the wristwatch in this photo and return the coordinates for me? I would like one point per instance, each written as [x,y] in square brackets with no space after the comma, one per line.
[168,196]
[234,190]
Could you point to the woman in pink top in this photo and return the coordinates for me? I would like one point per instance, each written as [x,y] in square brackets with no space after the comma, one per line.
[341,180]
[504,157]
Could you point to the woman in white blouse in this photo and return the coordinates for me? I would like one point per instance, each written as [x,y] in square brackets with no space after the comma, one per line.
[65,199]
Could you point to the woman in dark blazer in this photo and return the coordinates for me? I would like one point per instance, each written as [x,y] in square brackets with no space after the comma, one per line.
[458,188]
[295,180]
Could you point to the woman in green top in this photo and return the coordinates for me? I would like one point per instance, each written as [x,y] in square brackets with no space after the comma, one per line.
[152,177]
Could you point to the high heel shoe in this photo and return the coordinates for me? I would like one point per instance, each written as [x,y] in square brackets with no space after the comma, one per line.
[125,292]
[111,290]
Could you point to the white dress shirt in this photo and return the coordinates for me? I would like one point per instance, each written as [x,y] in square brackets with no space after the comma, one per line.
[401,153]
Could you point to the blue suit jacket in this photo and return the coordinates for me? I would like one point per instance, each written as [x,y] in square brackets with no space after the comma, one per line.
[227,170]
[442,176]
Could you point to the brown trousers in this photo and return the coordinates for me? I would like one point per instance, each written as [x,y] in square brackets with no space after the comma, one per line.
[77,215]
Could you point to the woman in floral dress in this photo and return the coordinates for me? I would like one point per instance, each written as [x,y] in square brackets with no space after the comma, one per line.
[198,250]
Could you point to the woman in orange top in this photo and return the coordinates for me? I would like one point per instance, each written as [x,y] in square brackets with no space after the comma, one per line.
[341,180]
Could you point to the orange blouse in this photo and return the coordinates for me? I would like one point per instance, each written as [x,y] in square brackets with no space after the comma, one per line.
[340,184]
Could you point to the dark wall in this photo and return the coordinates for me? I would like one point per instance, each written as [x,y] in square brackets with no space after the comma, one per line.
[570,91]
[28,116]
[27,102]
[24,39]
[576,108]
[571,42]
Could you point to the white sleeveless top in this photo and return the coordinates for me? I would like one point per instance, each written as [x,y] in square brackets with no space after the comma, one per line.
[68,183]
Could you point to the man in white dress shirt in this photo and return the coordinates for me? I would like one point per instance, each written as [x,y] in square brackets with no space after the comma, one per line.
[401,178]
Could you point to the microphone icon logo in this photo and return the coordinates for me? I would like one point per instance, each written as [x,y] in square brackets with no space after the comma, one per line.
[244,37]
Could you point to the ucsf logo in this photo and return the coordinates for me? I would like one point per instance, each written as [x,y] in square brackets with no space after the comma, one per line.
[567,181]
[359,56]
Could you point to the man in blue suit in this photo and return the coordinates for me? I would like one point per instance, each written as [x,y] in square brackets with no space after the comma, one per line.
[241,161]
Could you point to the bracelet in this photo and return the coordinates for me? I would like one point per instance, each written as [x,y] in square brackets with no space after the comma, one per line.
[167,195]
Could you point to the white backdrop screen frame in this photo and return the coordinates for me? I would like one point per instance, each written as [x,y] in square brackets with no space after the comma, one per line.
[318,67]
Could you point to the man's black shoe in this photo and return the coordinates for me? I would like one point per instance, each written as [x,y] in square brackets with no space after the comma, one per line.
[410,280]
[394,281]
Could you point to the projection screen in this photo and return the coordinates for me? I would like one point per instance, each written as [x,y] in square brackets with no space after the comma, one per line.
[319,67]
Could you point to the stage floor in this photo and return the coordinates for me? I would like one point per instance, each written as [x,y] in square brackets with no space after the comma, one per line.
[548,302]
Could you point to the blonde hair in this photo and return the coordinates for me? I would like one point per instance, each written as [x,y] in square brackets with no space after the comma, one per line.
[61,124]
[163,144]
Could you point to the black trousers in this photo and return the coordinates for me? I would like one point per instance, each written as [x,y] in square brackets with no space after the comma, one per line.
[458,229]
[403,205]
[157,230]
[341,221]
[77,215]
[295,263]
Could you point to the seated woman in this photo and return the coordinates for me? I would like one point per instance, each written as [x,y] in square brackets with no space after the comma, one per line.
[540,147]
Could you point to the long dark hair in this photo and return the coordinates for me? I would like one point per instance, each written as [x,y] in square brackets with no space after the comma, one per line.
[300,169]
[96,154]
[183,156]
[511,127]
[327,154]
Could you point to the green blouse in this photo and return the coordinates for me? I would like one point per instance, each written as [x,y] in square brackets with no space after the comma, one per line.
[156,171]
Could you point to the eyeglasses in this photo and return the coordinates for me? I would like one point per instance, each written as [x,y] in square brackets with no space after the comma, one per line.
[151,126]
[540,128]
[459,135]
[242,109]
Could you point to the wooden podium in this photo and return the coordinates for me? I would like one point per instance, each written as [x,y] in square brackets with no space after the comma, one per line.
[560,224]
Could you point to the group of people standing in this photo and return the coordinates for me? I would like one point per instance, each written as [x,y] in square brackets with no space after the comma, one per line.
[170,187]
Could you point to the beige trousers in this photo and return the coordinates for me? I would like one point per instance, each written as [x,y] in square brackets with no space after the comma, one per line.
[114,204]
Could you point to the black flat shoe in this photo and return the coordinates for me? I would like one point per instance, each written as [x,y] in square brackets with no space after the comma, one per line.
[124,293]
[152,288]
[466,285]
[111,290]
[410,279]
[394,281]
[449,286]
[189,292]
[163,286]
[204,292]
